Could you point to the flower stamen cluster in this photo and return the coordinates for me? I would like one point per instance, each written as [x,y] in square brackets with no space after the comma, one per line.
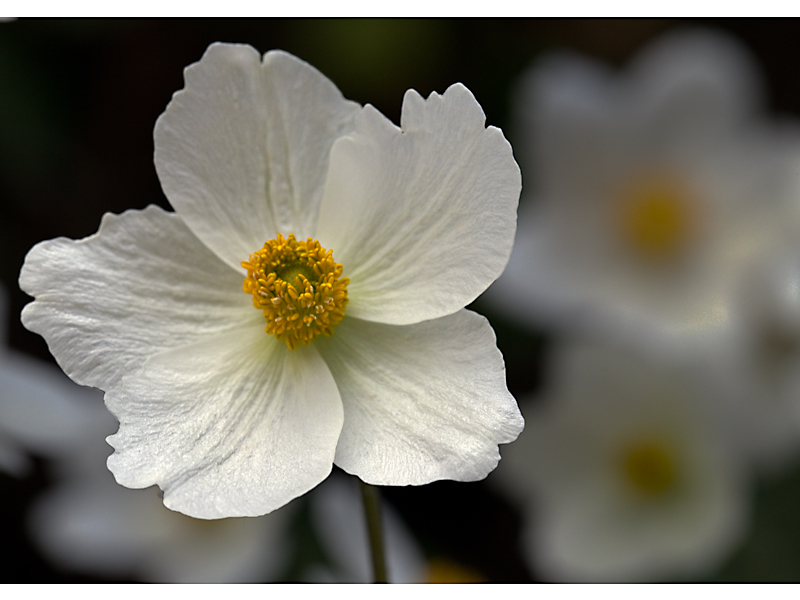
[299,287]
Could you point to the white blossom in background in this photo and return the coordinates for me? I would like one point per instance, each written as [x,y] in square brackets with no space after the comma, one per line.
[625,473]
[356,242]
[645,191]
[89,524]
[41,410]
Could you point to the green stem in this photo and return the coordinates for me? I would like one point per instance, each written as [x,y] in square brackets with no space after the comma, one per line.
[372,512]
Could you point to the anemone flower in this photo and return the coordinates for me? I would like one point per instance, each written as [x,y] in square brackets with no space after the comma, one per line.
[304,304]
[626,472]
[649,188]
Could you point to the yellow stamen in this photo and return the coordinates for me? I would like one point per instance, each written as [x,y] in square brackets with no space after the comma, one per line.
[649,467]
[299,287]
[657,216]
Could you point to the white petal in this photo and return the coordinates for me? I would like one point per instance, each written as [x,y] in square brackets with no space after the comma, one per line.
[695,85]
[422,402]
[306,115]
[242,150]
[142,284]
[584,125]
[422,218]
[565,109]
[237,425]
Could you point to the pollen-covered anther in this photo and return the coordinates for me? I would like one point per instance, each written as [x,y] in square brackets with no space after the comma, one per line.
[298,286]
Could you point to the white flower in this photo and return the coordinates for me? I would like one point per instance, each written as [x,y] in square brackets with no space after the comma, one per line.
[227,419]
[41,411]
[649,188]
[89,524]
[625,473]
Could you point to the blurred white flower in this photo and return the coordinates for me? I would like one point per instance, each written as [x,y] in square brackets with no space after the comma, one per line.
[625,473]
[229,420]
[41,410]
[646,189]
[90,524]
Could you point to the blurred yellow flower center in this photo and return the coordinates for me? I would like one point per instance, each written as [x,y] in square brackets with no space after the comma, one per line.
[649,468]
[442,570]
[299,287]
[657,217]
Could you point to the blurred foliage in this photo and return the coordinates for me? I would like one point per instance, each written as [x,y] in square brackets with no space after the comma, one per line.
[772,549]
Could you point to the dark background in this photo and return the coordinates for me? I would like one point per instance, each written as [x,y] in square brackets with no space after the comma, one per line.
[78,101]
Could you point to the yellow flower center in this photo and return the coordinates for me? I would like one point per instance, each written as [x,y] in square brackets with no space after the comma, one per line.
[649,467]
[299,287]
[442,570]
[657,216]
